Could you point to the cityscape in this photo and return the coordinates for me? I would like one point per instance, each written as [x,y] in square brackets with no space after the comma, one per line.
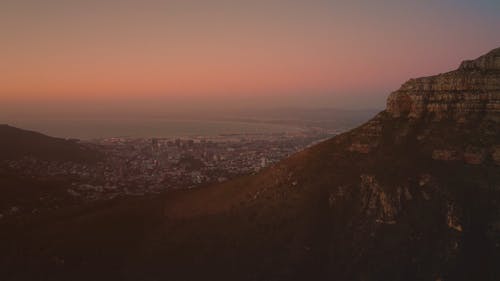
[140,166]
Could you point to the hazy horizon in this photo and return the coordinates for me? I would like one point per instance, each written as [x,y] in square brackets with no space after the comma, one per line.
[262,121]
[133,59]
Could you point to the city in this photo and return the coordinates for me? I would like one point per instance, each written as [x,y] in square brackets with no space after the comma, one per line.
[140,166]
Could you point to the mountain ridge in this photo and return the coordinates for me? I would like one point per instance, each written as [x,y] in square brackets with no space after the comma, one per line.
[17,143]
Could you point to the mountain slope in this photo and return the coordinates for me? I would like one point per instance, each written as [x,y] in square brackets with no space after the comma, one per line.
[23,151]
[17,143]
[413,194]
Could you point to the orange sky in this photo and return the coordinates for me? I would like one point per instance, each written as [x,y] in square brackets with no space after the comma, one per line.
[173,54]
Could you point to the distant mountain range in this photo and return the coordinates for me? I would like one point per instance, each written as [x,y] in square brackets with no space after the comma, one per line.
[412,194]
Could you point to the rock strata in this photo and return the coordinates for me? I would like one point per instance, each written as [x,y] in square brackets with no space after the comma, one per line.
[470,91]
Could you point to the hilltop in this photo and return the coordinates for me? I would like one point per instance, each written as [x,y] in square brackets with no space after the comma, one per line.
[17,143]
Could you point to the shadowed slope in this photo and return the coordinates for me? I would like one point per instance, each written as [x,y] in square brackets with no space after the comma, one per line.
[16,143]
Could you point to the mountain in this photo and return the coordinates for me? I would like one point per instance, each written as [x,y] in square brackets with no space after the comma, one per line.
[412,194]
[21,150]
[17,143]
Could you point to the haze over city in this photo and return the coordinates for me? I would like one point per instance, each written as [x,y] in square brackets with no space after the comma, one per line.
[92,59]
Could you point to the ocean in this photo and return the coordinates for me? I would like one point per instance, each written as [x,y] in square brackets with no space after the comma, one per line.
[137,128]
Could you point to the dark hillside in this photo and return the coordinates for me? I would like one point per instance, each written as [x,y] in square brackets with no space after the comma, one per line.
[17,143]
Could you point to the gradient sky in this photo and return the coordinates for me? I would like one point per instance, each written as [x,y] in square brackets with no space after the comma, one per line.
[61,58]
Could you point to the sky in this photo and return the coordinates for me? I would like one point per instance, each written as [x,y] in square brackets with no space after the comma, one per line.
[68,58]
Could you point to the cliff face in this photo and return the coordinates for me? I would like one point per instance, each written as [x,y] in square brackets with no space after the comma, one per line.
[471,90]
[458,113]
[427,177]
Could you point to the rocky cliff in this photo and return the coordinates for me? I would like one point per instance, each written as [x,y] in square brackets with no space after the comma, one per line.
[464,103]
[428,174]
[470,91]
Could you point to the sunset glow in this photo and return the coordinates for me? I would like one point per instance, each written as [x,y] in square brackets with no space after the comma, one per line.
[288,53]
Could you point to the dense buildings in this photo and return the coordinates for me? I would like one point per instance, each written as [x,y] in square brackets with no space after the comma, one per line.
[138,166]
